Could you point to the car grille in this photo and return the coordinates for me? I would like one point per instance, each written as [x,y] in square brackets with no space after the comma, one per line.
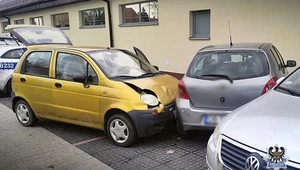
[234,157]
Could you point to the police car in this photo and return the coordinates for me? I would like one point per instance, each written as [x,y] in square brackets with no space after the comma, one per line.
[10,53]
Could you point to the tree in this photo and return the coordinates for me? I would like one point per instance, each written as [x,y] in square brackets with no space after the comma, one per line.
[144,15]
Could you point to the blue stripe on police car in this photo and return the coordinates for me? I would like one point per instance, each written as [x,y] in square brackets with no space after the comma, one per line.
[7,65]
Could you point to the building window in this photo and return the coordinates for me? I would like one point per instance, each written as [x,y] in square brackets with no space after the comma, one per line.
[140,13]
[4,25]
[93,17]
[37,21]
[201,24]
[61,20]
[19,21]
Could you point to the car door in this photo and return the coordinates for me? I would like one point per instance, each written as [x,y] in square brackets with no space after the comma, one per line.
[34,82]
[75,101]
[8,62]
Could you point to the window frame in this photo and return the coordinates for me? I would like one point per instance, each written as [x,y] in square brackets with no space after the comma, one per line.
[91,26]
[22,20]
[22,70]
[32,19]
[88,64]
[2,56]
[122,15]
[276,57]
[193,24]
[61,17]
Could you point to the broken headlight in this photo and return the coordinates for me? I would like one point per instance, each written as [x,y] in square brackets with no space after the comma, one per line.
[149,99]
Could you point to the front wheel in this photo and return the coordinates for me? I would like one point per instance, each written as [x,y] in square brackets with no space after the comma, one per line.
[121,130]
[25,114]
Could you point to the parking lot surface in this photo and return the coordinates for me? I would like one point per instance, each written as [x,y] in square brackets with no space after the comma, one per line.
[163,151]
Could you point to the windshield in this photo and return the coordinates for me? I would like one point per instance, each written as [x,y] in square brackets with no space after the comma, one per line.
[119,63]
[234,64]
[291,84]
[40,35]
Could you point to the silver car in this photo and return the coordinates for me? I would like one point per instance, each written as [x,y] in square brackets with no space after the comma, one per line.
[261,134]
[9,57]
[221,78]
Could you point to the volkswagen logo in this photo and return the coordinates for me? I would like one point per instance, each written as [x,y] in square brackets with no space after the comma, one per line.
[252,163]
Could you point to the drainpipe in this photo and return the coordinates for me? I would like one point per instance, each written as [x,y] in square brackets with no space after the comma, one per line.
[8,19]
[110,23]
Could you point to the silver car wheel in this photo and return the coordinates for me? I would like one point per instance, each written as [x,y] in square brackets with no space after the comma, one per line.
[119,131]
[23,113]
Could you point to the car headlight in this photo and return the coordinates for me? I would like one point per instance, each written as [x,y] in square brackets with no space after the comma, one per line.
[216,135]
[149,99]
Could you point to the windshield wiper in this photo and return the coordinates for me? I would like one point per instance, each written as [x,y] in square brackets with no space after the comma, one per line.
[124,76]
[292,92]
[150,74]
[217,75]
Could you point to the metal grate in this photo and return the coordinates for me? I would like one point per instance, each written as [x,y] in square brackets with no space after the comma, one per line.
[233,156]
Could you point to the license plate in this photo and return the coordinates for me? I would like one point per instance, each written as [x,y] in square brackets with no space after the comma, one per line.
[212,119]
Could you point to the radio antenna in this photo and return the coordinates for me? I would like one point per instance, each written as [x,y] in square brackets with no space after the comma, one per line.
[230,34]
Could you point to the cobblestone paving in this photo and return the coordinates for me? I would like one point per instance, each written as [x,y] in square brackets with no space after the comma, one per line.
[165,151]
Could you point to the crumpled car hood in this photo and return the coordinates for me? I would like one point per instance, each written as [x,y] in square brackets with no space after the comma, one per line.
[164,86]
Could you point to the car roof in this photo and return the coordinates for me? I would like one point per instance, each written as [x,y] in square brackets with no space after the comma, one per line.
[68,47]
[247,45]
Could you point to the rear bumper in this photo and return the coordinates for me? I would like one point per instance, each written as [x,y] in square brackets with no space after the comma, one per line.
[148,124]
[191,118]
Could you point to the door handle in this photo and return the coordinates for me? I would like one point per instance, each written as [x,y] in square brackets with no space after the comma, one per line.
[22,79]
[58,85]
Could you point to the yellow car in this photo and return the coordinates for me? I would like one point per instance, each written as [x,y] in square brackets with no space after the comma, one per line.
[113,90]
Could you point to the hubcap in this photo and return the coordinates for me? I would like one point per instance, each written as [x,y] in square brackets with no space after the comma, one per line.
[119,131]
[23,113]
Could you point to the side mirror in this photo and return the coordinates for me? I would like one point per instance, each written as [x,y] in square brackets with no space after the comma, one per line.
[156,68]
[291,63]
[279,80]
[80,78]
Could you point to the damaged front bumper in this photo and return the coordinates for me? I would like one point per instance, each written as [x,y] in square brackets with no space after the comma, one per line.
[152,121]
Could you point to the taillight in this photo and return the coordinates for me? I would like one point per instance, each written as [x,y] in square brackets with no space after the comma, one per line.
[270,84]
[182,91]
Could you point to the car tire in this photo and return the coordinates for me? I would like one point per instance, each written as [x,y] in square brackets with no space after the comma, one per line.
[25,114]
[121,130]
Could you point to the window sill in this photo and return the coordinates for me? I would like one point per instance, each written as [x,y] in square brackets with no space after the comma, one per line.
[91,27]
[63,28]
[196,38]
[138,24]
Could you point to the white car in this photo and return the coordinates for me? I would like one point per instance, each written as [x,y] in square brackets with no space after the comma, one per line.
[9,57]
[262,134]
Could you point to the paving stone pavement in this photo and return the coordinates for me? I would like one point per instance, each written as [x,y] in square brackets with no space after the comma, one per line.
[34,148]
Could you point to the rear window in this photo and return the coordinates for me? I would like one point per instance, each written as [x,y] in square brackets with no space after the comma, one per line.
[235,64]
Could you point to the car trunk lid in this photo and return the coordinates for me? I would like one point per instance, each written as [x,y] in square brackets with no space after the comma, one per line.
[38,35]
[222,94]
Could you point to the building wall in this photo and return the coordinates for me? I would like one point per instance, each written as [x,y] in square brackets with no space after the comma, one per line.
[168,45]
[79,36]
